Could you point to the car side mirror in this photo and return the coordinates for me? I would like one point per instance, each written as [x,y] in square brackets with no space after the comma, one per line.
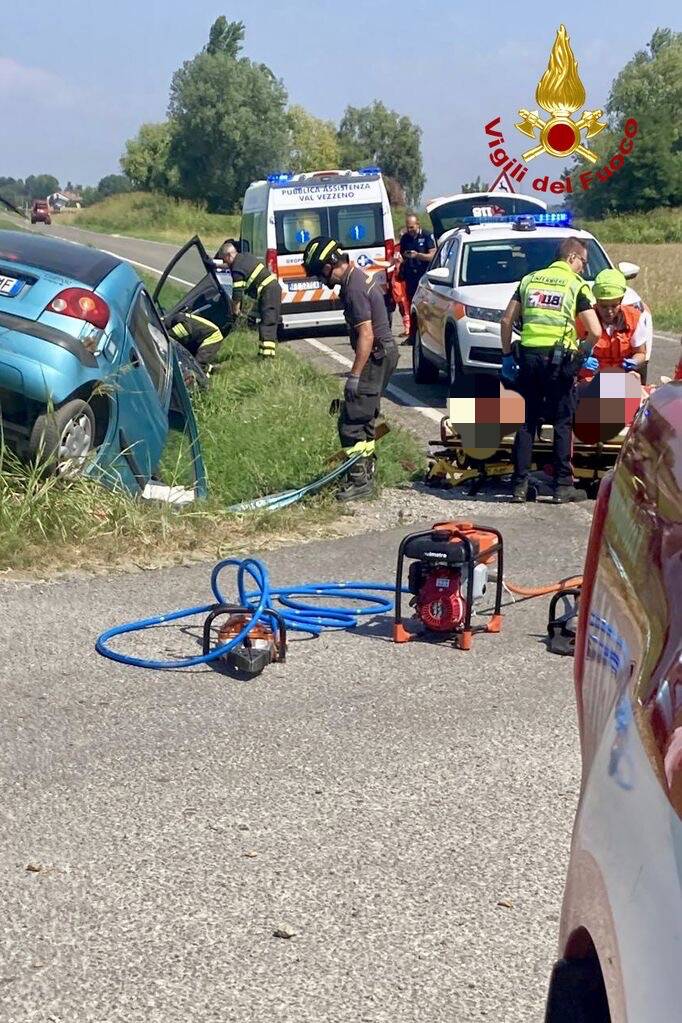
[628,270]
[439,275]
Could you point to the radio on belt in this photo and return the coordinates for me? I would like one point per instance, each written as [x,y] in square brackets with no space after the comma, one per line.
[448,574]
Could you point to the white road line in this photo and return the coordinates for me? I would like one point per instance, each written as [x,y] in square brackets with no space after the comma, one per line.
[404,397]
[665,337]
[152,269]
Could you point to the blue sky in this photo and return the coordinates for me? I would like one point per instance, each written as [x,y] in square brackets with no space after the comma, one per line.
[78,78]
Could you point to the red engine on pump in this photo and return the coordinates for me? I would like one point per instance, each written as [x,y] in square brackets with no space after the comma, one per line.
[448,572]
[439,602]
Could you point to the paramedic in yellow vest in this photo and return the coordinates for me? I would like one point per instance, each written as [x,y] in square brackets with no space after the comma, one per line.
[624,328]
[548,302]
[250,276]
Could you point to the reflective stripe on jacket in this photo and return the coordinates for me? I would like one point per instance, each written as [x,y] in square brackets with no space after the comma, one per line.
[548,306]
[201,330]
[249,276]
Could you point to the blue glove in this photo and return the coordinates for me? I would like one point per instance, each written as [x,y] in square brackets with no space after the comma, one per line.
[510,367]
[350,391]
[629,364]
[591,363]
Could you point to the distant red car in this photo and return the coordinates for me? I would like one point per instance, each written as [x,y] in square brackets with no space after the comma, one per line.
[40,212]
[621,925]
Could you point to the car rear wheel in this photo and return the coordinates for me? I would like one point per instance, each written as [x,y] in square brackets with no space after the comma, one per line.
[63,438]
[423,371]
[577,993]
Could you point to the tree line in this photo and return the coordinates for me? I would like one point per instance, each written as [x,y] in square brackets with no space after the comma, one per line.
[229,124]
[21,193]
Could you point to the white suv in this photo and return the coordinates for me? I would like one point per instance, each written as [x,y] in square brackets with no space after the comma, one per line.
[458,305]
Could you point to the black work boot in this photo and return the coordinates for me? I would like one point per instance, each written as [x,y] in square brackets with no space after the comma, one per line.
[566,493]
[359,483]
[520,492]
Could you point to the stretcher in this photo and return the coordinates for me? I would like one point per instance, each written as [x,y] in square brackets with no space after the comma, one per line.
[449,465]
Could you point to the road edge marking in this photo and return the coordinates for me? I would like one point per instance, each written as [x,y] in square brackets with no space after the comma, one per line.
[404,397]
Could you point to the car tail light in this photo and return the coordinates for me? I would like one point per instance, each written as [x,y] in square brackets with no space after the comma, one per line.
[389,249]
[591,560]
[81,305]
[271,261]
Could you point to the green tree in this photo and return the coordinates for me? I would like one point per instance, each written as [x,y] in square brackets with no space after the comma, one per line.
[648,89]
[229,122]
[38,186]
[479,185]
[13,190]
[225,37]
[113,184]
[146,161]
[312,142]
[377,135]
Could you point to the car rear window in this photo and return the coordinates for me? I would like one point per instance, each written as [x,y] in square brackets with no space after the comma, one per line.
[79,262]
[356,226]
[450,214]
[507,261]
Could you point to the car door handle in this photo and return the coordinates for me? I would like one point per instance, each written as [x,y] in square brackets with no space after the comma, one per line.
[134,358]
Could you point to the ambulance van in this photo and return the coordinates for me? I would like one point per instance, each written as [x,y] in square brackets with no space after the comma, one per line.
[281,215]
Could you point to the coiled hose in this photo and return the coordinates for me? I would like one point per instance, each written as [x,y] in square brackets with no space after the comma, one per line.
[299,614]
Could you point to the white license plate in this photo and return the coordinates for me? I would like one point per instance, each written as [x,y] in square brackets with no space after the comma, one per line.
[10,286]
[304,285]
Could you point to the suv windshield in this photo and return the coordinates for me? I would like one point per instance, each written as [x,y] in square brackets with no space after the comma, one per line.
[507,260]
[357,226]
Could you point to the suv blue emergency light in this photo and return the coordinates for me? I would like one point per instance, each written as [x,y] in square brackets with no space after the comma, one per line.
[562,219]
[281,178]
[369,170]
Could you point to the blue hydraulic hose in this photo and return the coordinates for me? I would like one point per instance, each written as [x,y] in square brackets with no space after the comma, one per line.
[298,615]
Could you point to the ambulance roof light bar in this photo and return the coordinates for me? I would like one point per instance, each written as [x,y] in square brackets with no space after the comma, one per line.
[280,178]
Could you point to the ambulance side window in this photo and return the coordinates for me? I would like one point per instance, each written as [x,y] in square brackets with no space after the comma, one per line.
[247,232]
[259,237]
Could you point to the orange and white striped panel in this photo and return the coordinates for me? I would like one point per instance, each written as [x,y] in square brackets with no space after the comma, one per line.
[312,294]
[319,293]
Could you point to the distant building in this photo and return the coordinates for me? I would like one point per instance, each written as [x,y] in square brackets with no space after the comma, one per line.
[63,200]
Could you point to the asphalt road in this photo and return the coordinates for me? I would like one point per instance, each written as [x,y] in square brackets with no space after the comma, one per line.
[420,407]
[405,810]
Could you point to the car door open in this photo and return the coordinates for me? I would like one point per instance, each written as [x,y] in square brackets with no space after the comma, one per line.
[189,284]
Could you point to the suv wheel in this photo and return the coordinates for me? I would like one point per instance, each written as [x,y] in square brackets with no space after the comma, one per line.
[454,359]
[423,371]
[63,438]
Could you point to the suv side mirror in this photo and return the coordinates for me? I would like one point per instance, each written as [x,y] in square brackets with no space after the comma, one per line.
[441,275]
[628,270]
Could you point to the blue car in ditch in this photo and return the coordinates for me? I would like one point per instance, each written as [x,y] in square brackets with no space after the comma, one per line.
[89,377]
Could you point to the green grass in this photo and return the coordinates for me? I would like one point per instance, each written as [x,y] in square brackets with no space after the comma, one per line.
[655,227]
[264,427]
[156,217]
[659,281]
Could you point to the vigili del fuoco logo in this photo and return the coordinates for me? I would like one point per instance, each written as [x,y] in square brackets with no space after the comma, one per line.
[560,92]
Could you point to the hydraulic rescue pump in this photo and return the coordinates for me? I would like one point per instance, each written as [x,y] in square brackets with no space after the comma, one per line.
[447,575]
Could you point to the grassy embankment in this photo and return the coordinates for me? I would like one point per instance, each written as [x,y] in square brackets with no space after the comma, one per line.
[654,241]
[257,439]
[156,217]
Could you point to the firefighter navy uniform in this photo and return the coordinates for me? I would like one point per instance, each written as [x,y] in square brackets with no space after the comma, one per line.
[250,276]
[198,335]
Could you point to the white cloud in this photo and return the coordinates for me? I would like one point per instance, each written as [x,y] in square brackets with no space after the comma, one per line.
[33,85]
